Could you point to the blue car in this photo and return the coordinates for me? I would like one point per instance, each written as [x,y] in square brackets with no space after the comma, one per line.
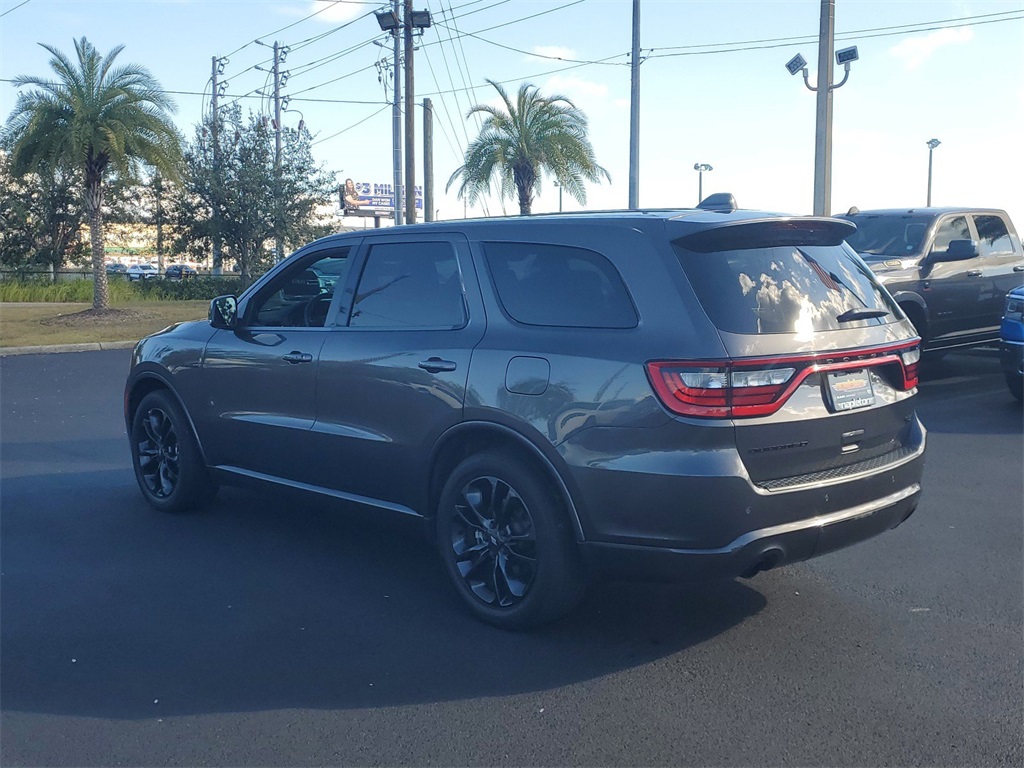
[1011,347]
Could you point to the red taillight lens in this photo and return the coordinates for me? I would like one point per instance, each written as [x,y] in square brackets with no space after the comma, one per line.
[736,389]
[720,391]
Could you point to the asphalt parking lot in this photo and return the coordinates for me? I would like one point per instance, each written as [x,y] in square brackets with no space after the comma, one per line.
[272,630]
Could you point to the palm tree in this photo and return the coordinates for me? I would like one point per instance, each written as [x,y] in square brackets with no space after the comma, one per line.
[536,133]
[95,117]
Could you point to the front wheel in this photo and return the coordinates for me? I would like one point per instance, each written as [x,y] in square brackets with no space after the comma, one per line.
[505,542]
[168,465]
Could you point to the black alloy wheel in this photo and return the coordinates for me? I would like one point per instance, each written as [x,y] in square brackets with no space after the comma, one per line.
[168,465]
[505,539]
[494,541]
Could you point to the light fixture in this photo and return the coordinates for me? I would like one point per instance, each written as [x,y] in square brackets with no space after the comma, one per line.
[420,19]
[388,20]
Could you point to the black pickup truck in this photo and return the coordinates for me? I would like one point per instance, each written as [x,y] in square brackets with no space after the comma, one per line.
[948,268]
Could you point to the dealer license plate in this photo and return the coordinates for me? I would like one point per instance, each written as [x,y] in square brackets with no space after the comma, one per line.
[849,389]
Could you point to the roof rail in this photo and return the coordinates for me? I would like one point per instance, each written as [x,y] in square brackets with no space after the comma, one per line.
[722,202]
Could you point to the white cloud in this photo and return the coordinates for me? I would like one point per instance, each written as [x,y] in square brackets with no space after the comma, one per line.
[915,51]
[575,88]
[554,51]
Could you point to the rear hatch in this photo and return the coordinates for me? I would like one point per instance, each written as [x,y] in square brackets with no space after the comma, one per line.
[821,363]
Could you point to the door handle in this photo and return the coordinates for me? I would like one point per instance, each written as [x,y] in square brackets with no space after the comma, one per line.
[974,273]
[298,357]
[437,365]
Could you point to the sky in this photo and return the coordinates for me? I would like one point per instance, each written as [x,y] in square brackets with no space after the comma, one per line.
[713,88]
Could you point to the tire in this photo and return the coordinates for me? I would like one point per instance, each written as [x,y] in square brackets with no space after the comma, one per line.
[1016,384]
[506,544]
[168,465]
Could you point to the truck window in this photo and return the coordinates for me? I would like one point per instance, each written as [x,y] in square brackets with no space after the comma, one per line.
[954,228]
[992,235]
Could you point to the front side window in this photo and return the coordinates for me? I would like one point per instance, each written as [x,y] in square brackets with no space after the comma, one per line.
[301,296]
[993,238]
[950,229]
[558,285]
[786,289]
[409,285]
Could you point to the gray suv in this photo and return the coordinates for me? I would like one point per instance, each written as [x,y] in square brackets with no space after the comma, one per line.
[685,394]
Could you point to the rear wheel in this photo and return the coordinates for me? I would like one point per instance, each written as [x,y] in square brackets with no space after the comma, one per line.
[168,465]
[1016,384]
[505,542]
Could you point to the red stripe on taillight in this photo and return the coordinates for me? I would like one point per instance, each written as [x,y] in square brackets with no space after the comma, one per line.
[667,379]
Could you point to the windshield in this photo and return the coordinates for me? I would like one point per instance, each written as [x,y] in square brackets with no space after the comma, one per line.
[787,289]
[888,234]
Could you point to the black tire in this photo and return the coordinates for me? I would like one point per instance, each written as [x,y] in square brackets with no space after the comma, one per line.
[506,543]
[168,465]
[1016,384]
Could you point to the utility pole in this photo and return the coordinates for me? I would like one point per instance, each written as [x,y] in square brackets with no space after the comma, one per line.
[634,114]
[396,120]
[932,144]
[158,215]
[410,119]
[278,238]
[428,160]
[823,129]
[218,258]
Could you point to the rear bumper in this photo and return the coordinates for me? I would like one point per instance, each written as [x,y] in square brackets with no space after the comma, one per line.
[759,549]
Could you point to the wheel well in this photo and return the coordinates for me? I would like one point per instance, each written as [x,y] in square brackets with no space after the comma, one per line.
[478,440]
[917,316]
[140,389]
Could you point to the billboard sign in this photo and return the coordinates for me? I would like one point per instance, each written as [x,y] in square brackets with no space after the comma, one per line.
[367,197]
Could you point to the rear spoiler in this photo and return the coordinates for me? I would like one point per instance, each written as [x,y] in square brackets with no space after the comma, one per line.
[765,233]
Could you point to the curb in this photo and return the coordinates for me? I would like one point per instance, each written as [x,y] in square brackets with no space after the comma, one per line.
[93,346]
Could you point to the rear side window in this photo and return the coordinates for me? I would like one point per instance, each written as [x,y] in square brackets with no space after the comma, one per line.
[993,236]
[888,235]
[785,289]
[559,285]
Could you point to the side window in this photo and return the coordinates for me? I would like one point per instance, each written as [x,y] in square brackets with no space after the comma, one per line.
[409,285]
[950,229]
[559,285]
[993,238]
[300,296]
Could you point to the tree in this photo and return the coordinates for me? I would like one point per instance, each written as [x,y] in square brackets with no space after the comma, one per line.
[241,190]
[41,217]
[536,134]
[100,119]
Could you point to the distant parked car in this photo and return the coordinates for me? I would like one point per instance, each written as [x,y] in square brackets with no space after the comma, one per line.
[1011,345]
[116,268]
[142,272]
[947,268]
[179,272]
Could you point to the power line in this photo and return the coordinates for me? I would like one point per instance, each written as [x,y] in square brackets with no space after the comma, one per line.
[11,10]
[531,53]
[304,18]
[349,128]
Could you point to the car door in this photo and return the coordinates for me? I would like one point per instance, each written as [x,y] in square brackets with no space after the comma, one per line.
[260,377]
[950,288]
[1000,264]
[393,378]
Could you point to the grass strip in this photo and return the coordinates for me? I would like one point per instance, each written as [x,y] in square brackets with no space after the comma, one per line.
[27,325]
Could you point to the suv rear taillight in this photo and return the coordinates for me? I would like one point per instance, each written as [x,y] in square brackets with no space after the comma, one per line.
[759,387]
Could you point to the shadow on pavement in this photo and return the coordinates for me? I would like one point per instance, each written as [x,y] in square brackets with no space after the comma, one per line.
[270,601]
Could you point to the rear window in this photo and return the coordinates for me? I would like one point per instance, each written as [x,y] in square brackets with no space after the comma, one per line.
[559,285]
[889,235]
[785,289]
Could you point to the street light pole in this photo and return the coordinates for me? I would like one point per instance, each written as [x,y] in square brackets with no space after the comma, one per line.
[823,124]
[559,187]
[700,168]
[932,144]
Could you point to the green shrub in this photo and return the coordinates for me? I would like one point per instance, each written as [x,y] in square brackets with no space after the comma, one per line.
[190,289]
[121,290]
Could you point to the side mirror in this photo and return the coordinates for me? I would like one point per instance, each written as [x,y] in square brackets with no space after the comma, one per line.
[224,312]
[958,250]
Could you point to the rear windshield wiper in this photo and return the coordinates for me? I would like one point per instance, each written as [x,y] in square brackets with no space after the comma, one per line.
[860,314]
